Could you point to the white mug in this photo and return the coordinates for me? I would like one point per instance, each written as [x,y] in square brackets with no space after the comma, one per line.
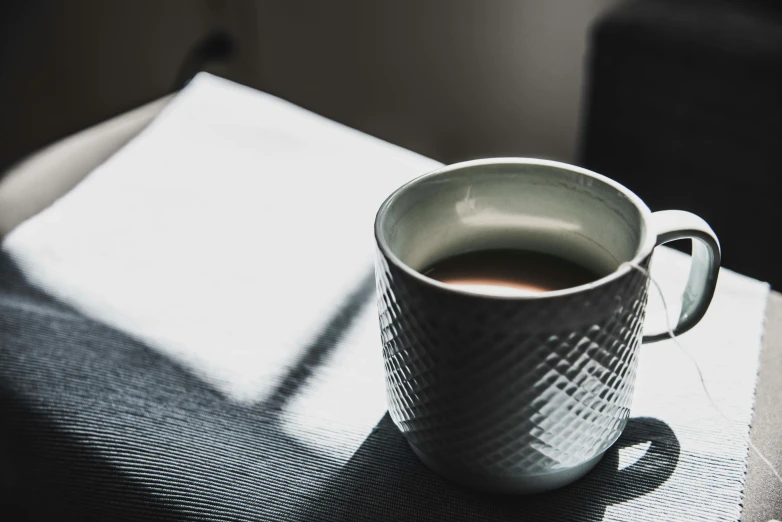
[521,393]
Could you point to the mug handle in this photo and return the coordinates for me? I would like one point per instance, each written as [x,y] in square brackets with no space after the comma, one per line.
[677,224]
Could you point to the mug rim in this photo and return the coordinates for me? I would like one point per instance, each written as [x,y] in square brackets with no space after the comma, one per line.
[645,248]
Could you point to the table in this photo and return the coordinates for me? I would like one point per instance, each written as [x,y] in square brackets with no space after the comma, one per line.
[37,181]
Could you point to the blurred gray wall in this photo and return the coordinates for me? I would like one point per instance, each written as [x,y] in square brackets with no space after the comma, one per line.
[452,79]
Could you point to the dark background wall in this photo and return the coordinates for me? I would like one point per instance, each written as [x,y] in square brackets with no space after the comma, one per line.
[451,80]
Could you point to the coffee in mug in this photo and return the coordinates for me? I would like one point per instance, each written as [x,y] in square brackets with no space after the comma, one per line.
[509,272]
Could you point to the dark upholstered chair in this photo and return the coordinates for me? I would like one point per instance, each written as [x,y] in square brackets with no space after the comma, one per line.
[684,106]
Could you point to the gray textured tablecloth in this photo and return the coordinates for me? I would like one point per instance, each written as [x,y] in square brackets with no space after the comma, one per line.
[103,425]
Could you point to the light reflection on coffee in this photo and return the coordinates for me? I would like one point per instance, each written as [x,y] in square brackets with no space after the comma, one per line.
[509,272]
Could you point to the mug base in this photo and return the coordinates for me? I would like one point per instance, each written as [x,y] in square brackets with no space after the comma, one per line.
[518,485]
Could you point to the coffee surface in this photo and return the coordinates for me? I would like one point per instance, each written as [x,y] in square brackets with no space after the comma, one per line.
[509,272]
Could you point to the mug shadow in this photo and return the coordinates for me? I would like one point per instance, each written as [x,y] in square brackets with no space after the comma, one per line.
[384,480]
[52,472]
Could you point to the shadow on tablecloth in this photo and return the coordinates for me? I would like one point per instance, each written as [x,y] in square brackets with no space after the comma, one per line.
[385,481]
[94,425]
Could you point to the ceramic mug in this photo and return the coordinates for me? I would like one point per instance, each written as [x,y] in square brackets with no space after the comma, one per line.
[521,393]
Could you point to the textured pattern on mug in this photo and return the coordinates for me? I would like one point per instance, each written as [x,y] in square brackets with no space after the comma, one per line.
[509,387]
